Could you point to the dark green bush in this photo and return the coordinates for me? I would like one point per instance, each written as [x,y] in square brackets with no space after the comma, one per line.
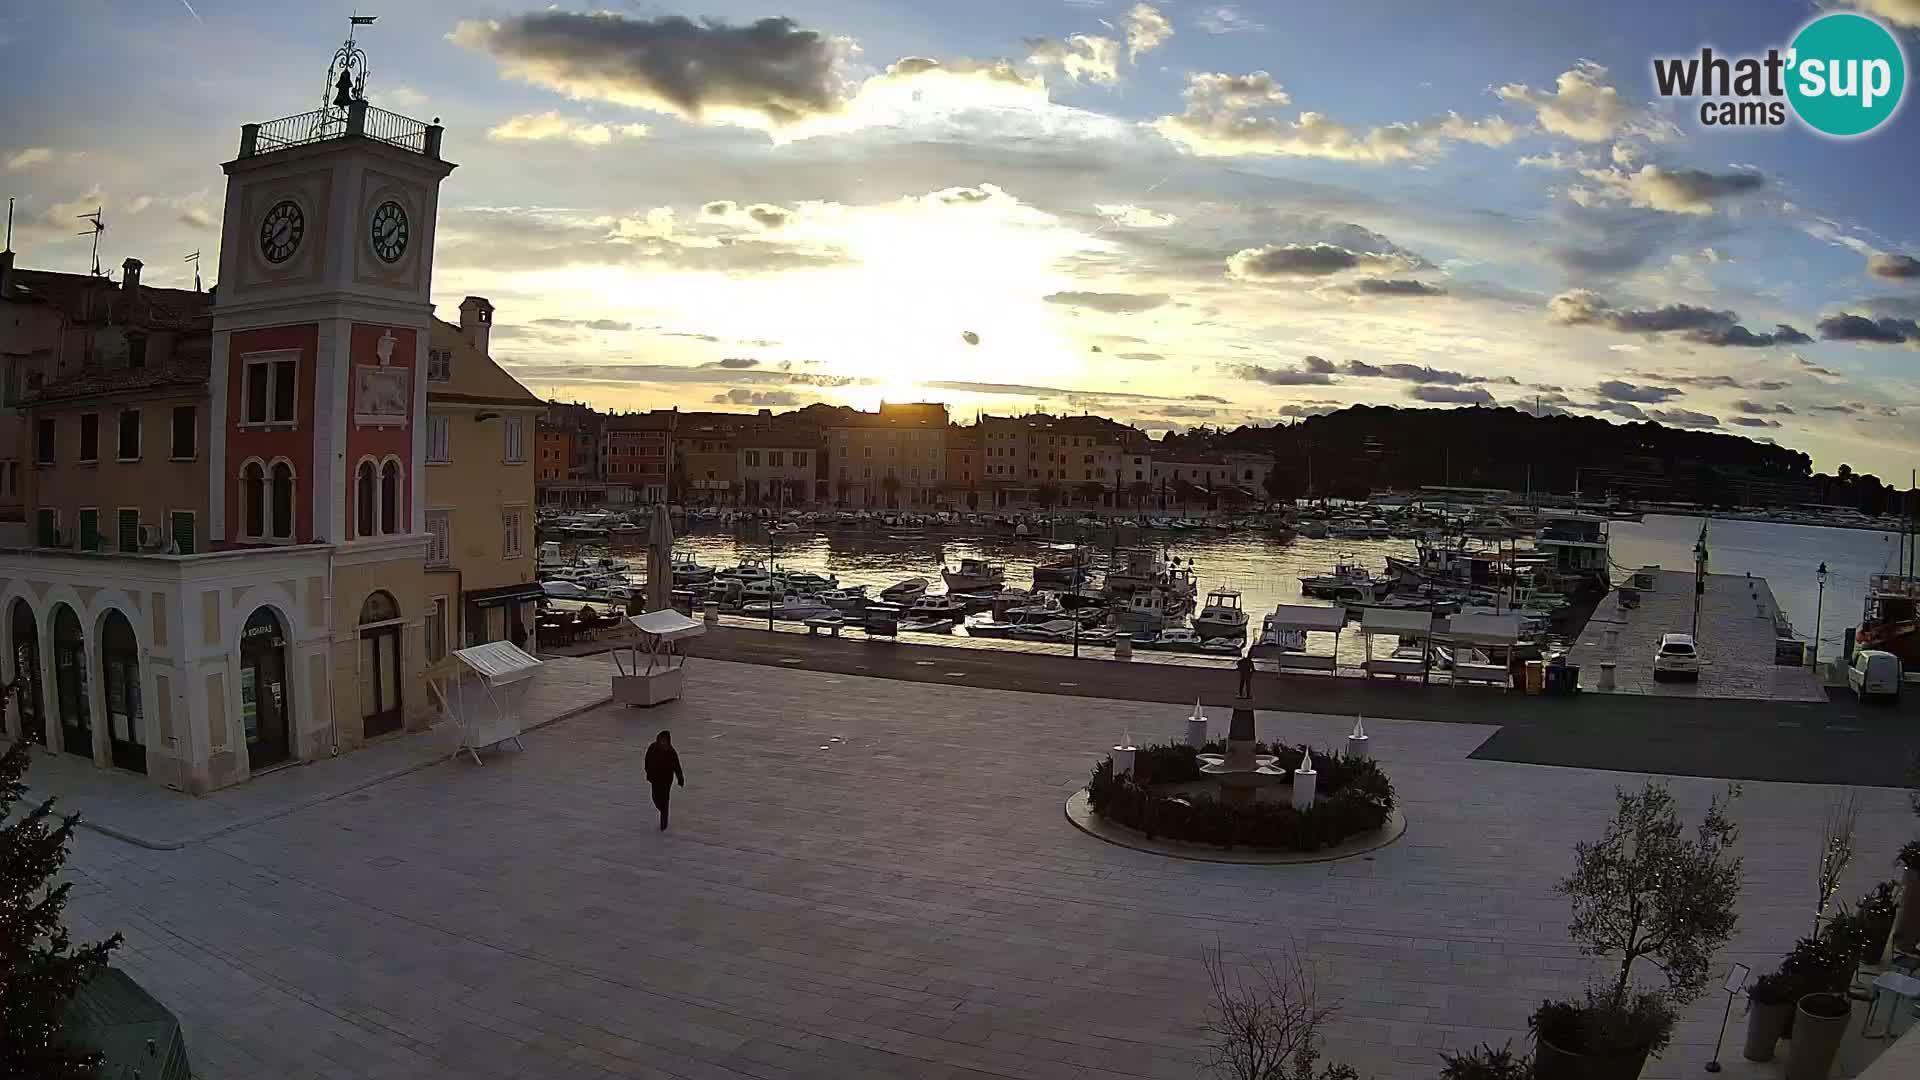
[1770,990]
[1356,797]
[1598,1026]
[1909,856]
[1818,965]
[1485,1063]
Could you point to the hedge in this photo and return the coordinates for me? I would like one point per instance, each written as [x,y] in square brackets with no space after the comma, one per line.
[1355,798]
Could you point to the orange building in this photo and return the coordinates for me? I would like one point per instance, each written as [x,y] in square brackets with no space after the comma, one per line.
[965,468]
[553,452]
[637,450]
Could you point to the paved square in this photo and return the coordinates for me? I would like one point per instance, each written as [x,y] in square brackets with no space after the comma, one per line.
[873,878]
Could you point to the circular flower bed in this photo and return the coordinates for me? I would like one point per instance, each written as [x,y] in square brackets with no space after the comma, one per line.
[1353,797]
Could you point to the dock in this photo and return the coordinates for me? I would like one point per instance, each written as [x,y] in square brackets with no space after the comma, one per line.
[1739,621]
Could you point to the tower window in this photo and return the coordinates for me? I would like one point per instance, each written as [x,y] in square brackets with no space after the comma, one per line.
[390,497]
[253,510]
[270,389]
[282,501]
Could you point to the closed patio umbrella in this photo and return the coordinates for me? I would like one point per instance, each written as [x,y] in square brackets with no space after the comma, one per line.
[660,561]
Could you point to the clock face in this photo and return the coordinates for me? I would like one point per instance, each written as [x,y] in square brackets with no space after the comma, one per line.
[388,231]
[280,231]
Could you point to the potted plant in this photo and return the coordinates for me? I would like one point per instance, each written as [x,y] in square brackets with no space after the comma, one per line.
[1906,928]
[1485,1063]
[1770,1003]
[1820,1022]
[1816,965]
[1647,890]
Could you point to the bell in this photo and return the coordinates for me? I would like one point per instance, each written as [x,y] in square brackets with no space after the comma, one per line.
[344,96]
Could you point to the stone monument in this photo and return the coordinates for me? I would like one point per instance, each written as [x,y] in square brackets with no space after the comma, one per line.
[1240,771]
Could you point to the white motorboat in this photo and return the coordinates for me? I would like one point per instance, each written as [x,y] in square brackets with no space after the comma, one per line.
[762,589]
[557,589]
[1222,617]
[807,579]
[926,626]
[1356,580]
[973,575]
[688,571]
[1067,571]
[1149,610]
[1051,630]
[904,592]
[845,599]
[937,607]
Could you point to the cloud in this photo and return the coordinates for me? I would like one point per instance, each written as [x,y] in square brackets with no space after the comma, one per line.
[1146,29]
[1685,418]
[195,218]
[1557,160]
[1584,307]
[739,362]
[403,96]
[612,325]
[1319,364]
[1282,376]
[1885,264]
[740,396]
[1116,303]
[1812,368]
[1885,331]
[1279,261]
[28,158]
[1674,191]
[1081,57]
[1582,105]
[1618,408]
[1769,384]
[767,74]
[1303,411]
[912,68]
[1451,395]
[757,215]
[1758,408]
[1228,116]
[1615,390]
[1374,286]
[1899,12]
[1134,217]
[1847,409]
[1752,421]
[1415,373]
[1226,19]
[540,127]
[1138,355]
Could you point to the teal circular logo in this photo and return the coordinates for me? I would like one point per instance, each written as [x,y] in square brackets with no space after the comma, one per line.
[1846,75]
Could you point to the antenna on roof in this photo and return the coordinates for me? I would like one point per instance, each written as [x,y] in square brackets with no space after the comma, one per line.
[99,226]
[195,260]
[9,246]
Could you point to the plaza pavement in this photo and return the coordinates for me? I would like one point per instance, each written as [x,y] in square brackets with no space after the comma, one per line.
[870,877]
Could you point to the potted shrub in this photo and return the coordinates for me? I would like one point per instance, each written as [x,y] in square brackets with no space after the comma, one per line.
[1821,1021]
[1647,890]
[1485,1063]
[1906,928]
[1770,1004]
[1877,911]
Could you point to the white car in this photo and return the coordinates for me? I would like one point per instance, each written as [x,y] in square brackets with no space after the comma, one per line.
[1676,658]
[1874,673]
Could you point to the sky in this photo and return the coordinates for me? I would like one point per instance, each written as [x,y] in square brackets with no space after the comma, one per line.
[1174,213]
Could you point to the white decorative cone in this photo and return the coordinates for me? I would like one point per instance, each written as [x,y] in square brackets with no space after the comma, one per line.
[1122,760]
[1304,781]
[1357,740]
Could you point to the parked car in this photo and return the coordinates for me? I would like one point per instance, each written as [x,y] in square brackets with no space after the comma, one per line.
[1676,658]
[1875,674]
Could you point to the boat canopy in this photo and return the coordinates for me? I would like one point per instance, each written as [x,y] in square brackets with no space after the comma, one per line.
[1484,629]
[1307,617]
[1391,621]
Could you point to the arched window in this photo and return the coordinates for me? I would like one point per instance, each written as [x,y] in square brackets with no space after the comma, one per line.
[363,497]
[120,675]
[378,607]
[282,501]
[390,497]
[253,508]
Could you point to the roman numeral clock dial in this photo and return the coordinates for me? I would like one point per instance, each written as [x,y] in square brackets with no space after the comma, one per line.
[280,231]
[388,231]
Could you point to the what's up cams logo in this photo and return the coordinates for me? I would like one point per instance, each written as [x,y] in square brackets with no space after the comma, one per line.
[1843,75]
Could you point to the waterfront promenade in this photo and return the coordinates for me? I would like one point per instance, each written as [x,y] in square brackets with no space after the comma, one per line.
[873,877]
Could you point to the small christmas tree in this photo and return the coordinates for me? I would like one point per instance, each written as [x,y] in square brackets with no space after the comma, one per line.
[42,967]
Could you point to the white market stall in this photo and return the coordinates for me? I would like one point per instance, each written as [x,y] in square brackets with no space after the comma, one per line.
[1306,619]
[1401,624]
[485,694]
[1485,632]
[660,633]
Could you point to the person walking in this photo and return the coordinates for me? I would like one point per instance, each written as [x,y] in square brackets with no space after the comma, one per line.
[663,767]
[1245,667]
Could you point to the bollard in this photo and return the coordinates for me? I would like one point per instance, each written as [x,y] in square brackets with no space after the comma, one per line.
[1123,647]
[1122,757]
[1613,639]
[1358,739]
[1606,675]
[1304,780]
[713,613]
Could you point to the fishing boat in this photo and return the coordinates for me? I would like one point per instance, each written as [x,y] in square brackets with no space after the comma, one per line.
[1222,617]
[807,579]
[688,571]
[937,607]
[1891,619]
[1065,571]
[926,626]
[973,574]
[1345,573]
[1148,610]
[904,592]
[845,599]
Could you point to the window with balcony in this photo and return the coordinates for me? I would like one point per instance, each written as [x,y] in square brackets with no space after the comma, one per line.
[253,504]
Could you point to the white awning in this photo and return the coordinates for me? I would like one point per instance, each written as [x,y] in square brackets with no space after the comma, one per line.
[1307,617]
[498,662]
[1390,621]
[1484,629]
[667,625]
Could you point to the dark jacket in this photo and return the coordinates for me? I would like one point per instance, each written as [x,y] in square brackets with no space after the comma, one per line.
[663,764]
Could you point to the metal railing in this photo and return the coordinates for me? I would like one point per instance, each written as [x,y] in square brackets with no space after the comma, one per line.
[322,125]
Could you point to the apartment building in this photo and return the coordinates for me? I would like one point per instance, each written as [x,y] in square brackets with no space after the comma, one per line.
[636,449]
[893,458]
[966,467]
[710,462]
[777,466]
[552,452]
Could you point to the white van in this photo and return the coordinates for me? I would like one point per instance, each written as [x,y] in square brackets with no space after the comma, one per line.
[1874,674]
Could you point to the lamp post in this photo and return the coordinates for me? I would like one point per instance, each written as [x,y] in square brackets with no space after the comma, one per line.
[1819,606]
[1699,580]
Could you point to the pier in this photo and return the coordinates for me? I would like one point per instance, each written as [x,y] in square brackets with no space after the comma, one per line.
[1739,622]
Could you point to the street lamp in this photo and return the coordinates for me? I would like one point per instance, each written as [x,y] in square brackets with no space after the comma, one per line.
[1819,605]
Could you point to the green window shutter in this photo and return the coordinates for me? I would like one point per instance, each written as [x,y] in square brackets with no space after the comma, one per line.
[90,530]
[47,537]
[183,532]
[129,530]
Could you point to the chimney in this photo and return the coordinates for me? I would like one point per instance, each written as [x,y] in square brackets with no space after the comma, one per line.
[130,276]
[476,321]
[6,273]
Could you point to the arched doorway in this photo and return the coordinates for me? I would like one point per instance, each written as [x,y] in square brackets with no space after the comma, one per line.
[70,683]
[264,701]
[379,664]
[26,666]
[120,678]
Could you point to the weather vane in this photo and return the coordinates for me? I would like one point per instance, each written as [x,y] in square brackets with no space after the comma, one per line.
[347,74]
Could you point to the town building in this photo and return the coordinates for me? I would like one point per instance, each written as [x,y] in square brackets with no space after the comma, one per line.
[966,467]
[776,465]
[710,461]
[636,449]
[890,459]
[1188,479]
[552,452]
[235,490]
